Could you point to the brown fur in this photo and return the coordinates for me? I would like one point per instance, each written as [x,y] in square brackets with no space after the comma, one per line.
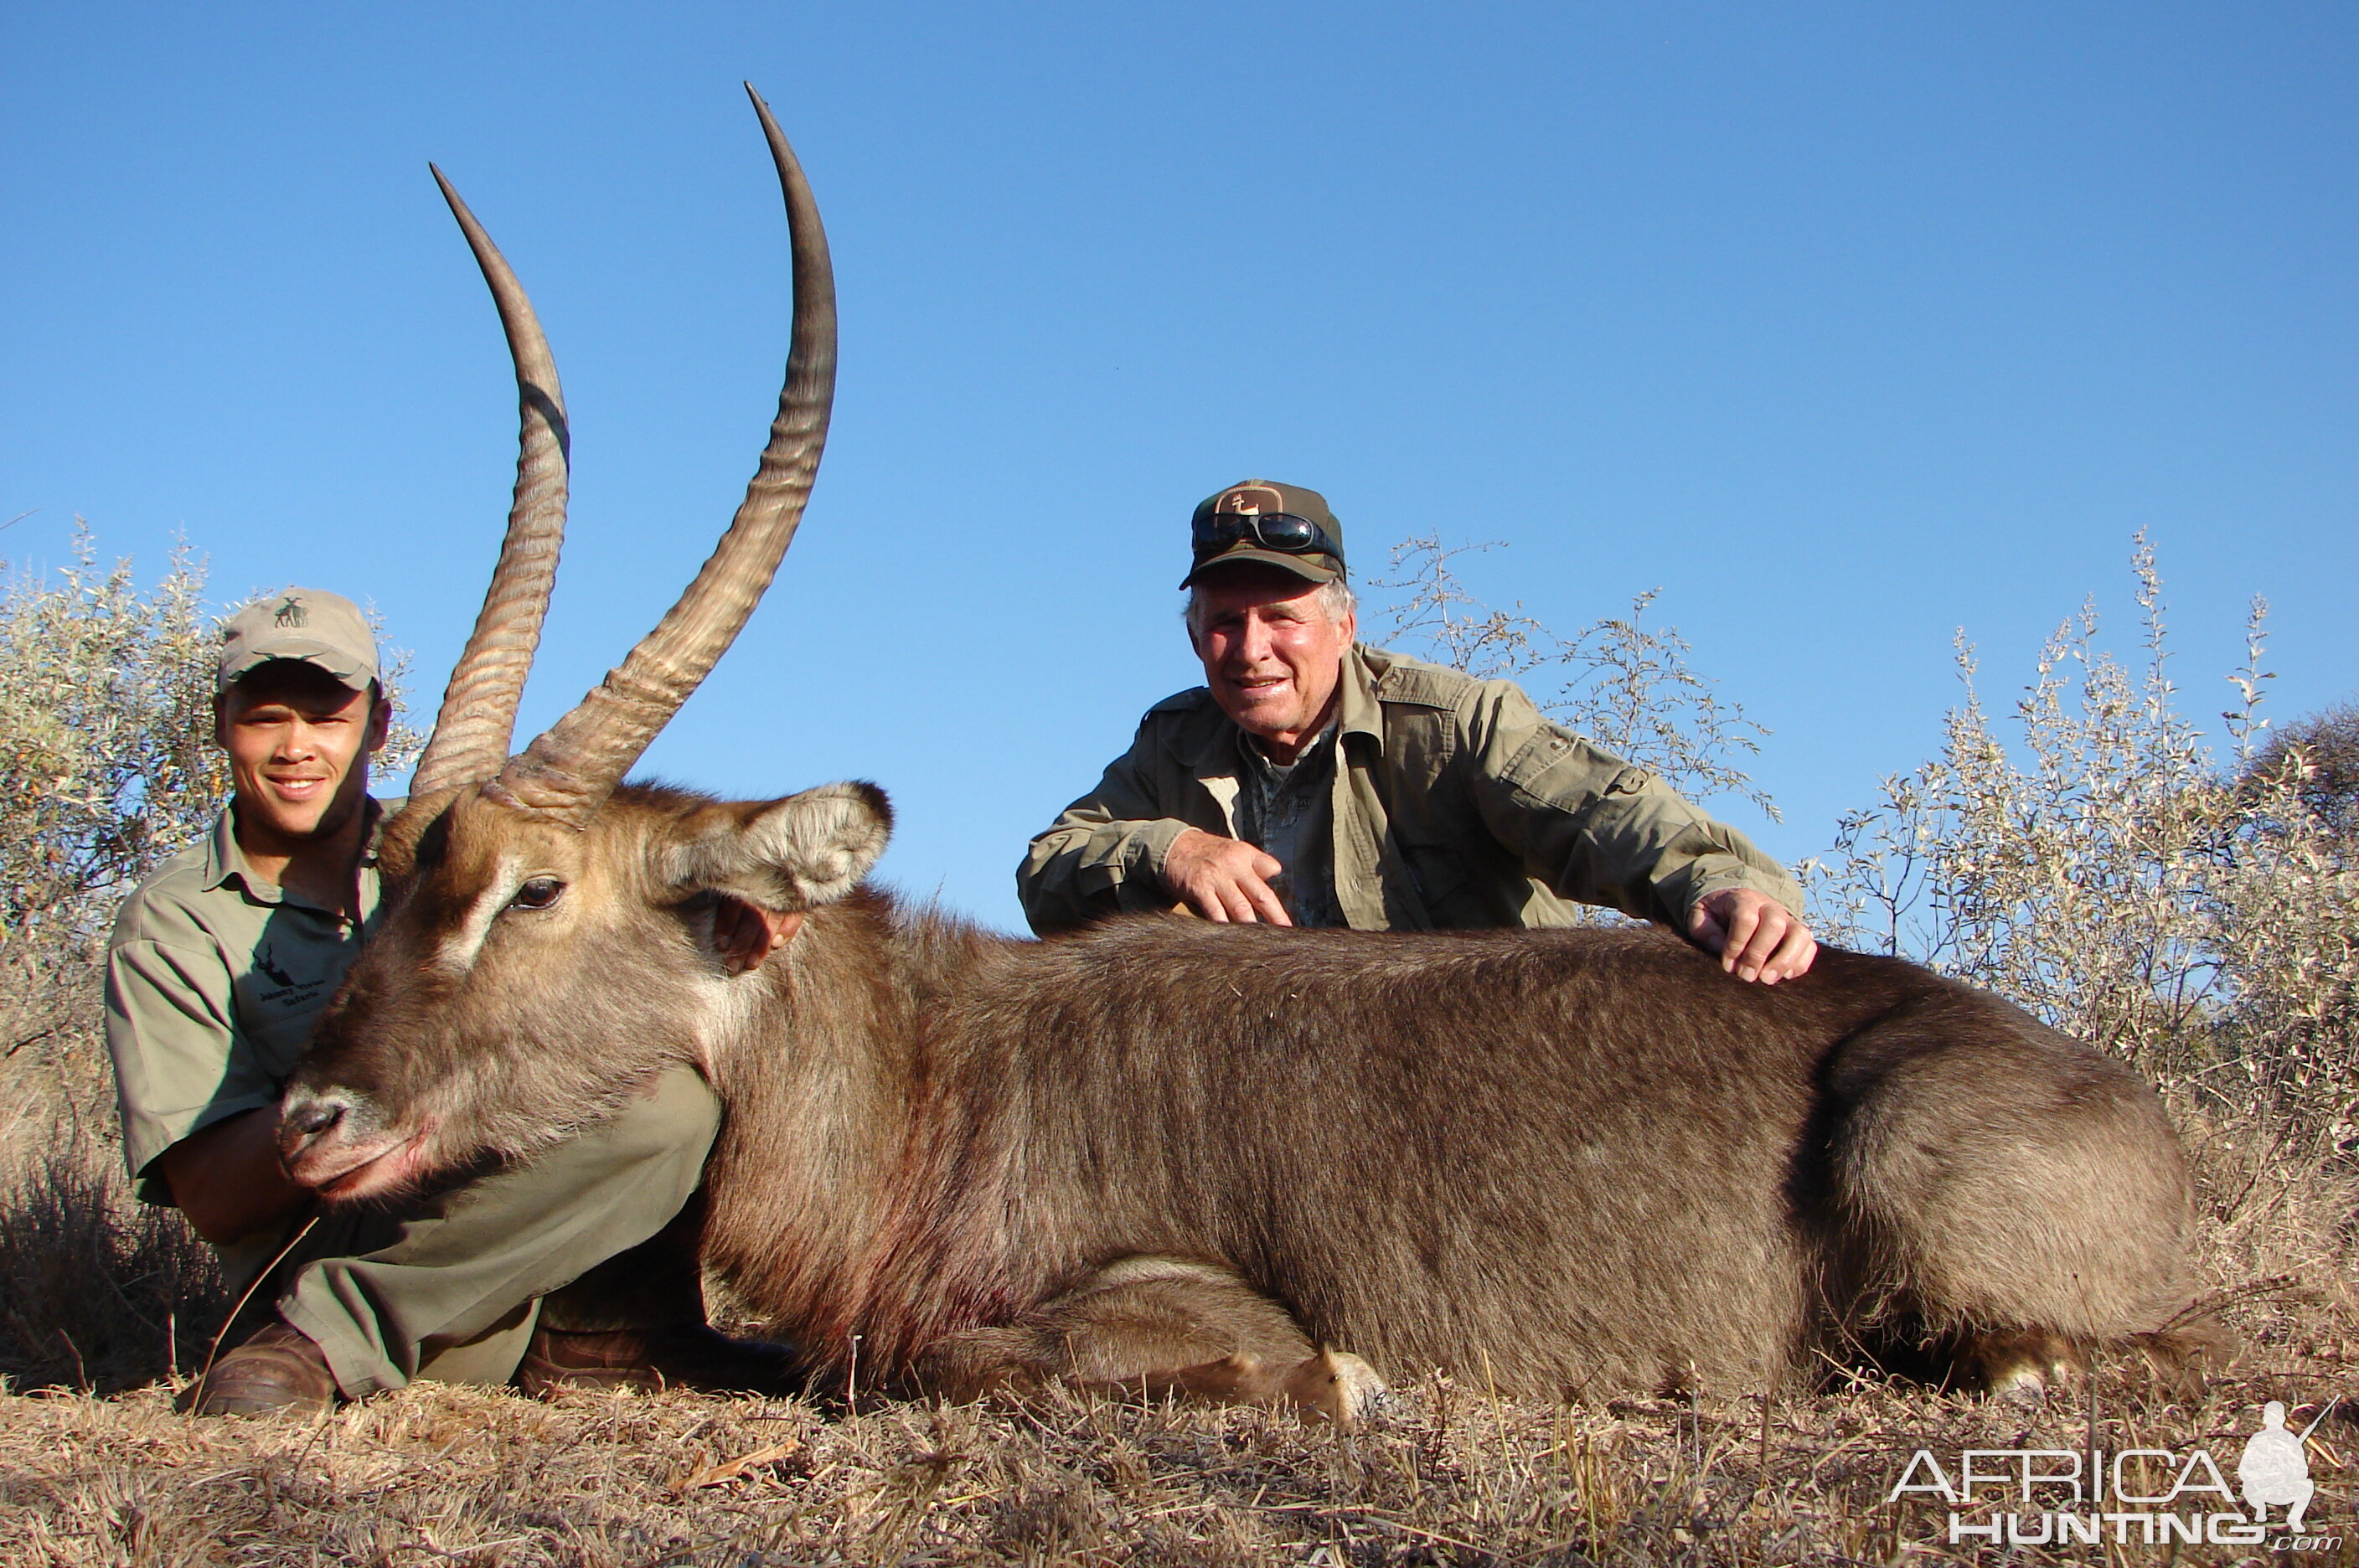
[1573,1161]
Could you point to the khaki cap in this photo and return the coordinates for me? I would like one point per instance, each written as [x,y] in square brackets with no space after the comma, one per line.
[1224,511]
[307,623]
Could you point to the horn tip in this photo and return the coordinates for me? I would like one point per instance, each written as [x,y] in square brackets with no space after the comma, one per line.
[762,110]
[449,192]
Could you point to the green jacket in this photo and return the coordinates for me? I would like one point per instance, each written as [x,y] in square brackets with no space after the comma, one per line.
[1455,804]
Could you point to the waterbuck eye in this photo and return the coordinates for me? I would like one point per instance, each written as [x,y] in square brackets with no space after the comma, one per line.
[537,894]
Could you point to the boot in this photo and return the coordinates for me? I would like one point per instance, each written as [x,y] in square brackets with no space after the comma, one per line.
[276,1370]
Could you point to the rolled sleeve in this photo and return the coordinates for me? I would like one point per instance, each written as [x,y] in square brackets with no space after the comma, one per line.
[1082,870]
[1104,853]
[1592,827]
[177,1065]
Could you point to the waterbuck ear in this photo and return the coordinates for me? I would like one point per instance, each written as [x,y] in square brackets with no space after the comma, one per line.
[785,854]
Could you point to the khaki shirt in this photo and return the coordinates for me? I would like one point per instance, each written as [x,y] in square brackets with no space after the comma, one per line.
[213,982]
[1454,804]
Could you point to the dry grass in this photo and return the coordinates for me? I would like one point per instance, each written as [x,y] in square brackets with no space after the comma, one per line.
[441,1473]
[97,1291]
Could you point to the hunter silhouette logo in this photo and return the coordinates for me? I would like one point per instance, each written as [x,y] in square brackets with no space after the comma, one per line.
[291,614]
[2275,1469]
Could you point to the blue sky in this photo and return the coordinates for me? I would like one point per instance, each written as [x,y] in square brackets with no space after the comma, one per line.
[1845,326]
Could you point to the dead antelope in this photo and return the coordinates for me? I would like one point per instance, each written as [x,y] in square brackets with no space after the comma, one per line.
[1178,1156]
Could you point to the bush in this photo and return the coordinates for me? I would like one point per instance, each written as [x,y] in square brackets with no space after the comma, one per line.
[2204,922]
[2318,758]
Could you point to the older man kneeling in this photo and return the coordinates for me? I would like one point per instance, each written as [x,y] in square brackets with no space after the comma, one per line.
[1314,780]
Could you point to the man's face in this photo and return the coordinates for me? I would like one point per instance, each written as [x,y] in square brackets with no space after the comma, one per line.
[298,740]
[1272,655]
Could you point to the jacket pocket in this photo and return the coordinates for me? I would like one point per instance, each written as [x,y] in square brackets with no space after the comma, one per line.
[1437,870]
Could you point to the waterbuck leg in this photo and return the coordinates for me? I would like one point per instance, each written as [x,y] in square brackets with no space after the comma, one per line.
[2010,1193]
[1163,1325]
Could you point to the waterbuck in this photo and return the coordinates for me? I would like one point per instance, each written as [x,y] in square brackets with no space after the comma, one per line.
[1165,1154]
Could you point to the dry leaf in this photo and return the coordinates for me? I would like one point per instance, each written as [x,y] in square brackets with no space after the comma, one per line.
[738,1468]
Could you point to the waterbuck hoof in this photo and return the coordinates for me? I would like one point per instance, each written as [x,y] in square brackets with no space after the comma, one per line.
[1339,1387]
[686,1355]
[2026,1386]
[2019,1366]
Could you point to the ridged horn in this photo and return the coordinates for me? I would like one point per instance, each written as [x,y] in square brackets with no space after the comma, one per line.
[570,769]
[473,731]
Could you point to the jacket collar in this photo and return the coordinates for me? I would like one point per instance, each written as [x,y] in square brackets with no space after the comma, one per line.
[1360,714]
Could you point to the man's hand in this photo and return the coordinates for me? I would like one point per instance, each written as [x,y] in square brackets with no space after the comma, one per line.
[228,1179]
[1756,937]
[1223,879]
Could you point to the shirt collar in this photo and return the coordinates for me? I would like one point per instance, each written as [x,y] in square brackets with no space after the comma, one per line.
[225,859]
[1257,762]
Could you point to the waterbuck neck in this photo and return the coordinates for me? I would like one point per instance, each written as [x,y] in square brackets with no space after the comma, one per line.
[827,1061]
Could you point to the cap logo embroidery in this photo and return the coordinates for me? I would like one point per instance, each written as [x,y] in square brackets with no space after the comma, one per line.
[291,614]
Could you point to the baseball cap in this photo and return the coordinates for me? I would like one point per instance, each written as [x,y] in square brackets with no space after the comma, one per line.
[1259,520]
[307,623]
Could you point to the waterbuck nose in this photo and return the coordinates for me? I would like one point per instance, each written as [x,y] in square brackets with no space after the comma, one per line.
[304,1118]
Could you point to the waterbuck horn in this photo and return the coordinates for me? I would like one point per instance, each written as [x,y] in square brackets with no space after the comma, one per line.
[570,769]
[472,732]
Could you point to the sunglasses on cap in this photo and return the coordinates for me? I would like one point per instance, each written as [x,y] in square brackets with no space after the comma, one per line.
[1280,531]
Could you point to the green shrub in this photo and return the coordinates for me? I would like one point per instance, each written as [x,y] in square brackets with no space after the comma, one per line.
[2112,878]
